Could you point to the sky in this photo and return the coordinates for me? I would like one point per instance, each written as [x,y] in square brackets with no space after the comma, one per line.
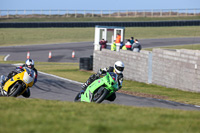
[97,4]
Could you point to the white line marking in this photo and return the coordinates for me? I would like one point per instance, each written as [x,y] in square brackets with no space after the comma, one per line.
[76,82]
[5,59]
[197,106]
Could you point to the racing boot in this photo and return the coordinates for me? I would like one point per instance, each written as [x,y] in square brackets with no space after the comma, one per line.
[2,81]
[84,86]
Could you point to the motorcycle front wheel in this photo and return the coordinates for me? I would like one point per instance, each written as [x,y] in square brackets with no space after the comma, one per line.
[15,90]
[78,97]
[100,95]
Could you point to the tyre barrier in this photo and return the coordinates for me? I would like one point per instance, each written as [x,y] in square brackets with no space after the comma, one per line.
[86,63]
[93,24]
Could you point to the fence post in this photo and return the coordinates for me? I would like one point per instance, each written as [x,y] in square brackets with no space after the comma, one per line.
[170,13]
[152,13]
[135,13]
[186,12]
[194,12]
[49,13]
[16,12]
[0,13]
[127,13]
[92,13]
[177,12]
[150,68]
[75,14]
[67,12]
[161,13]
[7,13]
[101,13]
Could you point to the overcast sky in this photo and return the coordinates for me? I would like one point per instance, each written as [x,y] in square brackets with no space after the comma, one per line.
[98,4]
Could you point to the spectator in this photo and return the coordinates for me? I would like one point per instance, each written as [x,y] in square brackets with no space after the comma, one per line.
[118,39]
[132,40]
[136,46]
[121,45]
[128,45]
[113,46]
[103,43]
[124,47]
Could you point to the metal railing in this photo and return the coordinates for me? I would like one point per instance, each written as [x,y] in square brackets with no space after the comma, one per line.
[98,13]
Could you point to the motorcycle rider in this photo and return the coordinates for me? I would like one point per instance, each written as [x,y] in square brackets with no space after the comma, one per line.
[118,69]
[30,64]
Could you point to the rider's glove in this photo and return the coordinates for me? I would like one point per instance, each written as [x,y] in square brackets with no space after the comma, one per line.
[102,71]
[19,68]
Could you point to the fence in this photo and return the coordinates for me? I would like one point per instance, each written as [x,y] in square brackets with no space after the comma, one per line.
[98,13]
[93,24]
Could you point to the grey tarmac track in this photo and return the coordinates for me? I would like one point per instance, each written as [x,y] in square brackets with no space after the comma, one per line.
[63,52]
[51,88]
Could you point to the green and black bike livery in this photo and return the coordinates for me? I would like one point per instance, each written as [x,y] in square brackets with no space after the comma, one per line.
[100,89]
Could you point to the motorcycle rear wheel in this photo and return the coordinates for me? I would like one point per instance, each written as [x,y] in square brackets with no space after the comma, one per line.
[15,90]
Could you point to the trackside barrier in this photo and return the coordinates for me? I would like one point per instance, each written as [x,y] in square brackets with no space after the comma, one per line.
[93,24]
[170,68]
[86,63]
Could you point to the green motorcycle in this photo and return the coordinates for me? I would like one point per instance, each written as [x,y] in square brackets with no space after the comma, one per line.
[100,89]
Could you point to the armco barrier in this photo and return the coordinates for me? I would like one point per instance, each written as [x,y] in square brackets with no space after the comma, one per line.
[93,24]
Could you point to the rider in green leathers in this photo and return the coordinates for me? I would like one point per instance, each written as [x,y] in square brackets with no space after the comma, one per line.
[118,69]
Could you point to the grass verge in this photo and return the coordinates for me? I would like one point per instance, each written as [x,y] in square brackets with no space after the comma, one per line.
[28,36]
[42,116]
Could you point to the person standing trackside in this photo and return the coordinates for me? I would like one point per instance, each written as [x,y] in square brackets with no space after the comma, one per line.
[128,45]
[136,47]
[132,40]
[118,41]
[103,43]
[113,46]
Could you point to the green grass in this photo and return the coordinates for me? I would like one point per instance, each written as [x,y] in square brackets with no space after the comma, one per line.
[27,36]
[98,19]
[41,116]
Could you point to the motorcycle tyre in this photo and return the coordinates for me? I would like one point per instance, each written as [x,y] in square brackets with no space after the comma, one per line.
[17,91]
[77,98]
[103,96]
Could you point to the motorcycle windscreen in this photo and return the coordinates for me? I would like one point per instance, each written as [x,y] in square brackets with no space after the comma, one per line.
[27,78]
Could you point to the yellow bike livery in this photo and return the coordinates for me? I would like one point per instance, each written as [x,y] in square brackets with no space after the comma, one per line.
[19,83]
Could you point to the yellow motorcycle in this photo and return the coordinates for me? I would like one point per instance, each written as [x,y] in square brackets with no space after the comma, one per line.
[19,83]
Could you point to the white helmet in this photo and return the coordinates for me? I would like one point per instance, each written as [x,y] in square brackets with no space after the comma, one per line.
[119,67]
[29,63]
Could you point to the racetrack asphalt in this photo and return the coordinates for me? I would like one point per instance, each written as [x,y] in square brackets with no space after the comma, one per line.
[51,88]
[63,52]
[55,88]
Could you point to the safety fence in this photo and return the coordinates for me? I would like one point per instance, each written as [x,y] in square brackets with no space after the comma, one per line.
[63,13]
[93,24]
